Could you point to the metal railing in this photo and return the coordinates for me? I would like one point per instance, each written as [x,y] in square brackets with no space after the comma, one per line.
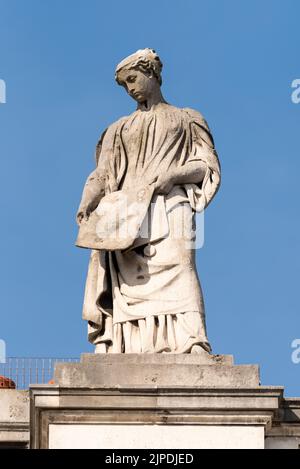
[26,371]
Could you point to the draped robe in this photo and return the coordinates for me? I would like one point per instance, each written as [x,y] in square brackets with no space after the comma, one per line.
[148,298]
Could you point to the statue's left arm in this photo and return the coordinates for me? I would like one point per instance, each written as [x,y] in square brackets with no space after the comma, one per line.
[202,170]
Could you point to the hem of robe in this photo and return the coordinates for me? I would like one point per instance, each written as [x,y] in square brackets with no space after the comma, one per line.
[172,333]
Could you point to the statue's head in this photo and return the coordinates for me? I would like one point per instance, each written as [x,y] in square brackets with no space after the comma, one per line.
[140,74]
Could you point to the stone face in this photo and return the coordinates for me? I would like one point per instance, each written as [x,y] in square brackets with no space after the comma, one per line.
[161,370]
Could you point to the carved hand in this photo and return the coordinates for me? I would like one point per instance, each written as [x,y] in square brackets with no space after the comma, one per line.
[164,183]
[84,211]
[92,193]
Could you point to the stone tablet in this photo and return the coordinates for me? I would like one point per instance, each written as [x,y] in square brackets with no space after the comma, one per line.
[116,222]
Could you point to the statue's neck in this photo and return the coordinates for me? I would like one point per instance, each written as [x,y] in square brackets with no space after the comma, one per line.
[154,99]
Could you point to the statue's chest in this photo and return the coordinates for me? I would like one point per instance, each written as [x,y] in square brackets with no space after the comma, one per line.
[147,132]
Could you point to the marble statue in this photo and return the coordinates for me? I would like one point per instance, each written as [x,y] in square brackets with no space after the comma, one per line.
[142,291]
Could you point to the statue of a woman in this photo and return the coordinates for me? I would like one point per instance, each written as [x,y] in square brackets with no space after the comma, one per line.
[147,298]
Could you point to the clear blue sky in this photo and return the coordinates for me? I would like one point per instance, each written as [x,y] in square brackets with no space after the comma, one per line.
[232,60]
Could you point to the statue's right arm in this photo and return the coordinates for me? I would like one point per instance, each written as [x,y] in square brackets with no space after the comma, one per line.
[93,192]
[94,188]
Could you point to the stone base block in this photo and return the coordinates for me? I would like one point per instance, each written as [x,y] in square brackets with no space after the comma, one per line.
[161,370]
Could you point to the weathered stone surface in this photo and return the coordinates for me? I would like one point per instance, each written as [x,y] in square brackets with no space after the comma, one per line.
[168,359]
[14,406]
[14,417]
[165,370]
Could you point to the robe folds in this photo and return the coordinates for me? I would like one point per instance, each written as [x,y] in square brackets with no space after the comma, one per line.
[147,298]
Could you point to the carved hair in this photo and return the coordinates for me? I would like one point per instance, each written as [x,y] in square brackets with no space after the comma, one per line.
[145,60]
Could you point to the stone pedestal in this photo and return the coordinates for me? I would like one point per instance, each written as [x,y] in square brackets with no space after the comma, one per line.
[153,401]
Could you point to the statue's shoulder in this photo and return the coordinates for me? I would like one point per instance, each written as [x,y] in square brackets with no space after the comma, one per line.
[197,117]
[108,135]
[203,127]
[115,126]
